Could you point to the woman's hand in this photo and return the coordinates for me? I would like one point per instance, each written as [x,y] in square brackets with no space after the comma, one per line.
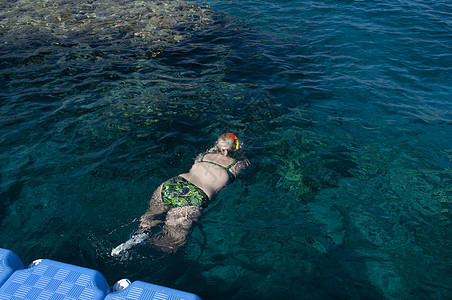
[247,162]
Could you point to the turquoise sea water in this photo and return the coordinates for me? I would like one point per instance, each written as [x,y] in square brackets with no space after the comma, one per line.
[344,109]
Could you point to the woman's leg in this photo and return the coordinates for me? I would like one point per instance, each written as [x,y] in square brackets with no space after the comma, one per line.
[156,208]
[177,226]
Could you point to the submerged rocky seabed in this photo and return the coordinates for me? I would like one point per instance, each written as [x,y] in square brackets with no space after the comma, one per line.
[77,47]
[154,22]
[365,212]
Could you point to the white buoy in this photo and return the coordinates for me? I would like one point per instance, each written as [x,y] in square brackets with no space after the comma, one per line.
[121,284]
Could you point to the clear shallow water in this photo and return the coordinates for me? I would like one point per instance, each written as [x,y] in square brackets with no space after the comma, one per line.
[345,111]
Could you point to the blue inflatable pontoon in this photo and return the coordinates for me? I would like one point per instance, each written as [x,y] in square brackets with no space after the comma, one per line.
[52,280]
[9,263]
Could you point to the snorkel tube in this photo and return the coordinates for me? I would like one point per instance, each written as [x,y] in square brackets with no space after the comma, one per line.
[237,142]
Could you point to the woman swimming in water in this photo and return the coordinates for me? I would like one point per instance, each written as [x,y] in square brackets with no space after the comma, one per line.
[183,197]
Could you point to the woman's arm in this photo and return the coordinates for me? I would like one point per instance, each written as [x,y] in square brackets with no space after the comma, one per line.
[240,165]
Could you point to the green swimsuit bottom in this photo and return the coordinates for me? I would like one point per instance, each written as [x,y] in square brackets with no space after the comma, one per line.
[178,191]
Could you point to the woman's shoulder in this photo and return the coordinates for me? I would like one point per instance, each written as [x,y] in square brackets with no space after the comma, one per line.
[218,158]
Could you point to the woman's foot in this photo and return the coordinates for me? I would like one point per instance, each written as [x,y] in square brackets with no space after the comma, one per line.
[135,240]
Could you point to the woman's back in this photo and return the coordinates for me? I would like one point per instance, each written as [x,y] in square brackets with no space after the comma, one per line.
[210,173]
